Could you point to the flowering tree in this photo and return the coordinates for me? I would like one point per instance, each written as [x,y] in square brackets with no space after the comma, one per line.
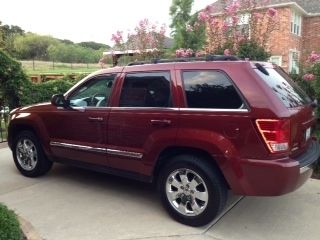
[146,40]
[311,78]
[242,24]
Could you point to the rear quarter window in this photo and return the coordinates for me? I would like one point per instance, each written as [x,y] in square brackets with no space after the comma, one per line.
[284,87]
[210,90]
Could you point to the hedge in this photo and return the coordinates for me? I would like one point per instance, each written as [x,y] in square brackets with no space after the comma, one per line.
[9,225]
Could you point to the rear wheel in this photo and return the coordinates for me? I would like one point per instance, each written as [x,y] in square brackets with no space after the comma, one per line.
[193,191]
[28,155]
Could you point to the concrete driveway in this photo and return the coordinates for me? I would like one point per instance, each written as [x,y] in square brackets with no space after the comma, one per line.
[71,203]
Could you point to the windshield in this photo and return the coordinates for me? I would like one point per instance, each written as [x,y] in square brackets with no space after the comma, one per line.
[285,88]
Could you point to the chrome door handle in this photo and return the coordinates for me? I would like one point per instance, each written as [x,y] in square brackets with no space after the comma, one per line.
[95,119]
[161,123]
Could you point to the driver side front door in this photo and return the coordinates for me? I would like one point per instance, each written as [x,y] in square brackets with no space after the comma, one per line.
[79,133]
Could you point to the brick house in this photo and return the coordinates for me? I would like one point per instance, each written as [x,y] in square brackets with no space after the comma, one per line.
[298,34]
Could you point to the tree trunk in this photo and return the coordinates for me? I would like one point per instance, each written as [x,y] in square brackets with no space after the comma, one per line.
[33,67]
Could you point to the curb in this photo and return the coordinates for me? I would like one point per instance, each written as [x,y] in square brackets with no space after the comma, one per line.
[28,230]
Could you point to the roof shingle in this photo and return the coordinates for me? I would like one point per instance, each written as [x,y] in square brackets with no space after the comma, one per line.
[310,6]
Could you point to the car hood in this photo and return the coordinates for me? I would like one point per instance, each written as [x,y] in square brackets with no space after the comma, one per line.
[33,108]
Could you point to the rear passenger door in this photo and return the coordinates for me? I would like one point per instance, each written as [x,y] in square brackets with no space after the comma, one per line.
[143,122]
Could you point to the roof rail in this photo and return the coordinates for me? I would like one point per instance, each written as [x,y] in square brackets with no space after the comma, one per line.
[207,58]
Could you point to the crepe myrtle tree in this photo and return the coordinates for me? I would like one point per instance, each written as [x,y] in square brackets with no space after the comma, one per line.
[146,40]
[244,28]
[310,79]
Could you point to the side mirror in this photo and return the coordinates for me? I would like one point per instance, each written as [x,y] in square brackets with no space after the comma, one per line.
[59,101]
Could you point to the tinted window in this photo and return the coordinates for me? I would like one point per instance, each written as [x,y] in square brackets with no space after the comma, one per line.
[210,89]
[146,90]
[94,93]
[287,90]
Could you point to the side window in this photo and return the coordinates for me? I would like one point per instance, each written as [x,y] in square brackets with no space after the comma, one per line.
[210,89]
[146,90]
[95,93]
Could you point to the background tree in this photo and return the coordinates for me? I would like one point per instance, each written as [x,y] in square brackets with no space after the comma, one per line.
[7,36]
[243,27]
[94,45]
[33,46]
[186,32]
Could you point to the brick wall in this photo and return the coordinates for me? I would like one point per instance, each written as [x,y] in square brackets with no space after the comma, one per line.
[311,35]
[283,40]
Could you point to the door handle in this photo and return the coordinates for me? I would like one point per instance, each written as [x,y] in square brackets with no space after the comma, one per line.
[95,119]
[161,123]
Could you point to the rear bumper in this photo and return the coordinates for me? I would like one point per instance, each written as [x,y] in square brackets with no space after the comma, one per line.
[276,177]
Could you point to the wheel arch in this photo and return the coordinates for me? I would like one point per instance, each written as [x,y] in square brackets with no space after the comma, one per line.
[172,151]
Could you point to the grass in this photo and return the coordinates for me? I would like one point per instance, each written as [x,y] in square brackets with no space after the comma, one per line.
[42,67]
[9,225]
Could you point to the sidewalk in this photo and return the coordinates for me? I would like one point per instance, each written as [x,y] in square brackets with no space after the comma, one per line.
[75,204]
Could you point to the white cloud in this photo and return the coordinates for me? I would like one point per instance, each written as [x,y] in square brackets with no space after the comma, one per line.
[78,21]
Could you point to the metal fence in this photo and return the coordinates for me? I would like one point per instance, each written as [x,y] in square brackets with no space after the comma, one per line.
[4,119]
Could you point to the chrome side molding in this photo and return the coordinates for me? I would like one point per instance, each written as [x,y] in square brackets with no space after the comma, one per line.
[98,150]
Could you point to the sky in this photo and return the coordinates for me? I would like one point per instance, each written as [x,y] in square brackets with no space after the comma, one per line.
[94,20]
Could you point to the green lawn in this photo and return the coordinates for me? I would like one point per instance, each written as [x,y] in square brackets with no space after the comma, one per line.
[42,67]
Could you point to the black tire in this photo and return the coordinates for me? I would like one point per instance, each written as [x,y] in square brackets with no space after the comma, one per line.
[41,163]
[214,188]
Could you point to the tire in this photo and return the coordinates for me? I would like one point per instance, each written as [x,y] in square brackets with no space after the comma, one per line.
[191,190]
[29,156]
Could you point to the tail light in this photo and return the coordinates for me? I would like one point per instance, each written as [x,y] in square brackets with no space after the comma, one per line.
[275,133]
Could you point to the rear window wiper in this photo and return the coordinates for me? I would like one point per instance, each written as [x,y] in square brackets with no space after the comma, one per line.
[262,69]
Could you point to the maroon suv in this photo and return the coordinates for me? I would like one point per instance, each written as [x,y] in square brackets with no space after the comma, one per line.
[196,128]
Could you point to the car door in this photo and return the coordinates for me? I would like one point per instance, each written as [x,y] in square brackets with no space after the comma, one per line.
[79,132]
[143,122]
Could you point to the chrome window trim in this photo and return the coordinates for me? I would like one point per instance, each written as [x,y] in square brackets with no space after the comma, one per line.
[146,108]
[181,109]
[213,110]
[98,150]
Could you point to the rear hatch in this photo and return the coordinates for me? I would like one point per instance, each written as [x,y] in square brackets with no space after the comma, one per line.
[302,117]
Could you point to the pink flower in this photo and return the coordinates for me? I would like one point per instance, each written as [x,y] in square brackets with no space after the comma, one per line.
[184,52]
[227,52]
[314,57]
[272,12]
[189,28]
[309,77]
[233,7]
[203,16]
[117,37]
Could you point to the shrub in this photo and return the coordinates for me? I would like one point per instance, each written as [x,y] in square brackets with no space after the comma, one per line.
[12,78]
[9,225]
[42,92]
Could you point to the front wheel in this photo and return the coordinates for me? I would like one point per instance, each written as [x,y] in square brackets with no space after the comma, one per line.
[28,155]
[193,191]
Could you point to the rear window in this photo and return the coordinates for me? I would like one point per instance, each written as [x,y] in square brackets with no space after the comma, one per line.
[284,87]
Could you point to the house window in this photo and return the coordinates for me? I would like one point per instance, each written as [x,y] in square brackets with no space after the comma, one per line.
[276,60]
[296,21]
[242,25]
[294,61]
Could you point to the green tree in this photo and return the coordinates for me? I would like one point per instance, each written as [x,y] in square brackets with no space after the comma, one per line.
[7,36]
[33,46]
[185,34]
[12,80]
[94,45]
